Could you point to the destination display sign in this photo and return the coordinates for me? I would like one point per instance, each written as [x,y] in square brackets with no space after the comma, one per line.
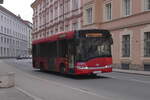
[94,35]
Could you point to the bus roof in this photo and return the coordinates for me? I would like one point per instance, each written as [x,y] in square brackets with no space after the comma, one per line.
[67,35]
[59,36]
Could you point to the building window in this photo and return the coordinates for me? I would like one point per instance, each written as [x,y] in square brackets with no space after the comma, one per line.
[51,14]
[56,12]
[1,50]
[2,17]
[4,51]
[147,44]
[51,31]
[61,9]
[67,6]
[108,9]
[126,45]
[146,4]
[147,67]
[5,40]
[74,26]
[89,15]
[126,7]
[75,4]
[2,39]
[2,29]
[125,66]
[66,27]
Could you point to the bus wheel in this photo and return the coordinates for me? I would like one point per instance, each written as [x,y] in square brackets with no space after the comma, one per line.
[42,68]
[62,69]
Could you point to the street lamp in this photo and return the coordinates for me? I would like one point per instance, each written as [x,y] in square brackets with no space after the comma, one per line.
[1,1]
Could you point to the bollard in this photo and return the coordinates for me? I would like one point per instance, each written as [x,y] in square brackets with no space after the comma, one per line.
[7,80]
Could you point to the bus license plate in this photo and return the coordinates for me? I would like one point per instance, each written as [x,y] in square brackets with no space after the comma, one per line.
[97,72]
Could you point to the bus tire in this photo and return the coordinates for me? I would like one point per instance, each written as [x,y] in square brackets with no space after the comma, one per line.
[42,67]
[62,69]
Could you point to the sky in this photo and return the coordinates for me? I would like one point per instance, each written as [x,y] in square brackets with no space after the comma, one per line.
[20,7]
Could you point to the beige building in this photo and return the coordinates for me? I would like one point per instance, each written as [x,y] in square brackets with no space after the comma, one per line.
[129,23]
[13,35]
[53,16]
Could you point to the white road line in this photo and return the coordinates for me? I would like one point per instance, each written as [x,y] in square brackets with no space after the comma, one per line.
[148,82]
[130,79]
[29,94]
[73,88]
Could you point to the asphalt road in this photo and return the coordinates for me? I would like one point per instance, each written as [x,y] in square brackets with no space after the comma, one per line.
[52,86]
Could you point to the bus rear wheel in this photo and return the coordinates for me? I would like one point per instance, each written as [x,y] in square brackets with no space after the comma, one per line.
[42,68]
[62,69]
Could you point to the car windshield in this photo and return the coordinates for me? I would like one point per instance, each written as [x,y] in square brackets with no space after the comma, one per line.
[93,47]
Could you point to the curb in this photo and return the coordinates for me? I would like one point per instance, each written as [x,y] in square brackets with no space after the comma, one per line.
[146,73]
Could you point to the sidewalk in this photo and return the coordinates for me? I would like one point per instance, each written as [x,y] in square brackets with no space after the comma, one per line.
[11,93]
[132,72]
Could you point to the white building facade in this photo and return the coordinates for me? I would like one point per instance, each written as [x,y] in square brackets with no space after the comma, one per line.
[13,35]
[29,36]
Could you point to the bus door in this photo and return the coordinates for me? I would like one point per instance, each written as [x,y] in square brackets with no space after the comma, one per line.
[38,54]
[52,54]
[35,55]
[71,55]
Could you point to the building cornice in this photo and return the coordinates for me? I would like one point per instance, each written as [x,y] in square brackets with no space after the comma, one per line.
[35,3]
[27,23]
[121,18]
[12,14]
[137,23]
[88,3]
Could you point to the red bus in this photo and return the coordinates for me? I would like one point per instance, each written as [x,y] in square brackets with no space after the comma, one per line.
[79,52]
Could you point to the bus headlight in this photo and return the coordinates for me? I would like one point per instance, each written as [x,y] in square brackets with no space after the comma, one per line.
[108,66]
[82,67]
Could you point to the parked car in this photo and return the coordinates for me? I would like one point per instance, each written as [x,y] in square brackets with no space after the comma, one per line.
[24,57]
[19,57]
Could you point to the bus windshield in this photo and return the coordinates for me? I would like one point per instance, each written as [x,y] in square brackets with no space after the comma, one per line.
[89,48]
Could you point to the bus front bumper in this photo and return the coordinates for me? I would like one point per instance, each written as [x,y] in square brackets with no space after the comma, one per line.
[92,70]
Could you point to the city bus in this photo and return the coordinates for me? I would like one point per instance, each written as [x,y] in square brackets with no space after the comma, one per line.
[78,52]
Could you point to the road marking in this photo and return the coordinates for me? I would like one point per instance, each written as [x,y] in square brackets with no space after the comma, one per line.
[29,94]
[73,88]
[148,82]
[129,79]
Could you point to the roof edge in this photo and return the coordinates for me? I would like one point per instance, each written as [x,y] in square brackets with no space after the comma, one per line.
[3,9]
[35,3]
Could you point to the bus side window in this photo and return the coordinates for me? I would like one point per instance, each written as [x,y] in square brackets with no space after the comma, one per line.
[62,48]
